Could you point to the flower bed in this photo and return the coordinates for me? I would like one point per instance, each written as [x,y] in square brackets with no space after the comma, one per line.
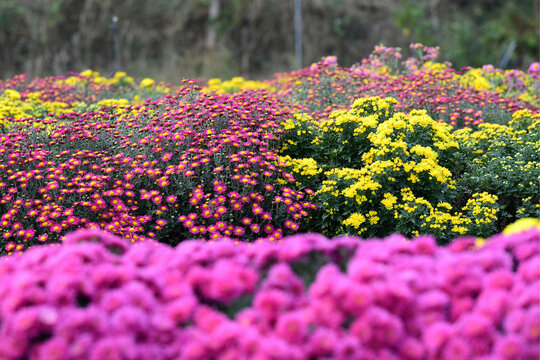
[184,165]
[103,182]
[450,153]
[97,296]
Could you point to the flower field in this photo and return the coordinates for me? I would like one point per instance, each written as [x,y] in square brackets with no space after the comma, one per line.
[387,210]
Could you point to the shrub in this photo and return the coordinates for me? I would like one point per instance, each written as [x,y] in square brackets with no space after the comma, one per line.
[502,160]
[418,82]
[381,172]
[187,165]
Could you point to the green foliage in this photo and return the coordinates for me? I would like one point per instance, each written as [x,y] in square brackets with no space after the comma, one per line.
[495,23]
[503,160]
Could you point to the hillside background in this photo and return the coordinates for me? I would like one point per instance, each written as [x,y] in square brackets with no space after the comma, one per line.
[172,39]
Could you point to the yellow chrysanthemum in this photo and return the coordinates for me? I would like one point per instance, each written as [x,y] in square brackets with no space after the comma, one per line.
[147,82]
[522,225]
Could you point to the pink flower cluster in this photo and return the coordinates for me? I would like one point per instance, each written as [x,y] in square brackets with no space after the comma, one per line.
[186,165]
[97,297]
[534,70]
[321,88]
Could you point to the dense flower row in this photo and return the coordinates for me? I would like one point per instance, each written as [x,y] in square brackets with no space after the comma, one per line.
[46,98]
[147,160]
[187,165]
[234,85]
[462,100]
[99,297]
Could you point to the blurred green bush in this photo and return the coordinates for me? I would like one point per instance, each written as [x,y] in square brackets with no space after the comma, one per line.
[170,39]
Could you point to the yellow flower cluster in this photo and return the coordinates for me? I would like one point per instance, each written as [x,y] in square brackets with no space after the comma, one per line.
[328,186]
[305,167]
[432,219]
[399,164]
[477,206]
[417,120]
[392,150]
[120,78]
[527,202]
[146,83]
[113,102]
[517,227]
[442,217]
[355,220]
[300,120]
[373,106]
[474,78]
[234,85]
[389,201]
[339,118]
[490,137]
[479,79]
[13,106]
[522,116]
[300,130]
[509,155]
[522,225]
[434,66]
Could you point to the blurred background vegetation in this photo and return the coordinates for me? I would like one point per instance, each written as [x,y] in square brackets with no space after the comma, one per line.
[172,39]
